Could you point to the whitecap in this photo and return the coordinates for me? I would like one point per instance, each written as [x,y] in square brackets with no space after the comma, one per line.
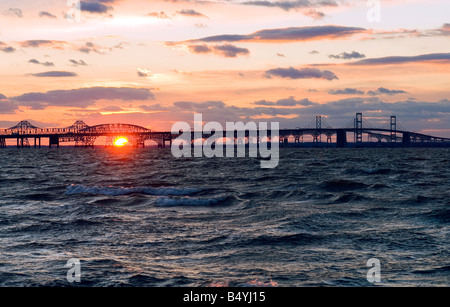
[116,191]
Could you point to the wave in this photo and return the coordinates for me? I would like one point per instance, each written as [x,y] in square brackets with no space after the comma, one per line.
[165,201]
[342,185]
[117,191]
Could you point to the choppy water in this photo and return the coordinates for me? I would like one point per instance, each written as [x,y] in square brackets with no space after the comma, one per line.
[139,217]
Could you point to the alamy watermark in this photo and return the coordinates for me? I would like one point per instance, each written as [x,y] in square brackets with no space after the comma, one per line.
[236,137]
[374,273]
[74,13]
[374,13]
[74,272]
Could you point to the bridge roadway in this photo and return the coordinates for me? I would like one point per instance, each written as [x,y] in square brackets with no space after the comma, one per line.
[84,136]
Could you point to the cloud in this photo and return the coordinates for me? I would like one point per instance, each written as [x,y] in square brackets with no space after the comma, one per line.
[160,15]
[292,34]
[96,6]
[346,56]
[5,48]
[56,74]
[191,13]
[394,60]
[15,12]
[303,73]
[289,5]
[231,51]
[199,49]
[287,102]
[77,63]
[227,50]
[34,61]
[143,72]
[385,91]
[6,106]
[43,43]
[347,91]
[91,47]
[82,97]
[46,14]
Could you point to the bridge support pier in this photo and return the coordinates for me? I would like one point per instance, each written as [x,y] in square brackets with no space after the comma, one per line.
[36,139]
[341,138]
[2,143]
[22,142]
[53,140]
[406,139]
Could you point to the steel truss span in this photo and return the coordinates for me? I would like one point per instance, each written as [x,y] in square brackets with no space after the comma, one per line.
[82,135]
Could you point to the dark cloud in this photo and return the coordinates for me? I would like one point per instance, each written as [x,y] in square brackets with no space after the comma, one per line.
[6,106]
[347,56]
[385,91]
[287,102]
[56,74]
[347,91]
[43,43]
[287,34]
[404,59]
[91,47]
[289,5]
[96,6]
[199,49]
[231,51]
[303,73]
[46,14]
[77,63]
[227,50]
[34,61]
[82,97]
[5,48]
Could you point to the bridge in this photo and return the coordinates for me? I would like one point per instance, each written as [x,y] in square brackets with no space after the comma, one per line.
[83,135]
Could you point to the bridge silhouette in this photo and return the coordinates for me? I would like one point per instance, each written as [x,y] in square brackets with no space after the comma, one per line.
[83,135]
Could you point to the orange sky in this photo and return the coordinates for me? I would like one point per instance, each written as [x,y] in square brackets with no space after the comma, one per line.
[152,63]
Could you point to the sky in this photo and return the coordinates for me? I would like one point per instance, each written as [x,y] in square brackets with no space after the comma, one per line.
[153,63]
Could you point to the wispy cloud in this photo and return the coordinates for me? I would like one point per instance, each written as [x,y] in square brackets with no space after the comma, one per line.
[5,48]
[347,55]
[191,13]
[82,97]
[43,43]
[55,74]
[14,12]
[292,34]
[34,61]
[394,60]
[46,14]
[296,4]
[160,15]
[77,63]
[385,91]
[302,73]
[227,50]
[287,102]
[346,91]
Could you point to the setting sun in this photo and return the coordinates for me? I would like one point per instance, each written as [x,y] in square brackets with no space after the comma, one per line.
[120,141]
